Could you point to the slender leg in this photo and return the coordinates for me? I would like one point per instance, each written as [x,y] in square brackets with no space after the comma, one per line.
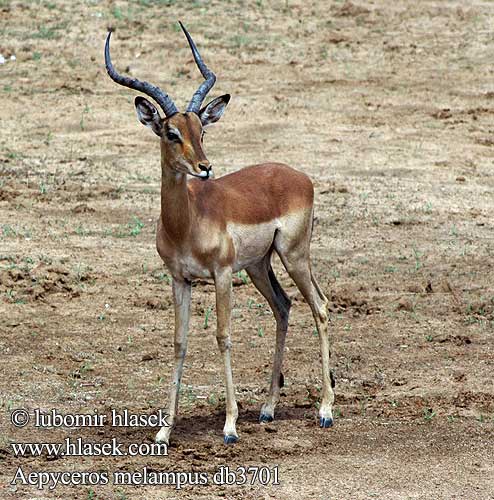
[223,282]
[297,263]
[325,412]
[265,281]
[181,299]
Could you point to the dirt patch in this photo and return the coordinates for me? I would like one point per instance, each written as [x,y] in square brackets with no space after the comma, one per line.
[25,284]
[348,301]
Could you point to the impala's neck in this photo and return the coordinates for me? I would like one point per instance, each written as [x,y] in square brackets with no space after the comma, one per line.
[175,208]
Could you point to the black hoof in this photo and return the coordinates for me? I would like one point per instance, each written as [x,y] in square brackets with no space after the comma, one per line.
[230,439]
[325,422]
[333,380]
[265,418]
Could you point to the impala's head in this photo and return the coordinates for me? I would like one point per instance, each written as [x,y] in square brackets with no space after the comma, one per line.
[181,134]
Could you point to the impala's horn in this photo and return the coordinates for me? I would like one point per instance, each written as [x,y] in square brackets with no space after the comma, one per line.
[209,76]
[162,98]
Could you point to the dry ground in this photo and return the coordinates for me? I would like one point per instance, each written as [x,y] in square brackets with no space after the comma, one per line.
[388,106]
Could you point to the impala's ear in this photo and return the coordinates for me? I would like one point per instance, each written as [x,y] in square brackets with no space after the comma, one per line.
[213,111]
[148,115]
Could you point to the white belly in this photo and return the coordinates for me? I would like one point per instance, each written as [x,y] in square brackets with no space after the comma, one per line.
[251,242]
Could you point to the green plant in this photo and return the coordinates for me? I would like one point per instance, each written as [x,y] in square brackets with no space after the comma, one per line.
[133,228]
[117,13]
[188,393]
[240,40]
[250,303]
[429,414]
[136,226]
[335,273]
[161,276]
[45,33]
[80,231]
[86,367]
[417,254]
[84,112]
[206,318]
[8,231]
[81,271]
[243,276]
[363,406]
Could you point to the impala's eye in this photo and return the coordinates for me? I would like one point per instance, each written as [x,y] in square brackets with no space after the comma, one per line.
[172,136]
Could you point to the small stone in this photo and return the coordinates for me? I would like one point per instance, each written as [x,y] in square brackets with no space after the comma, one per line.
[404,304]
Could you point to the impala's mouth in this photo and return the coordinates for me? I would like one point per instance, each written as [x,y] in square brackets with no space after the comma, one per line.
[204,174]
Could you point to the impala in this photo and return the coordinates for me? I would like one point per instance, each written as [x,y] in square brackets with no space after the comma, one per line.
[211,228]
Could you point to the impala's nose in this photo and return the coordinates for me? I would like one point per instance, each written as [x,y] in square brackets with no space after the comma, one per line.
[205,168]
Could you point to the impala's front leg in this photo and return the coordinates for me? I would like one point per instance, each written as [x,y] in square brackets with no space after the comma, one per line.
[181,299]
[223,282]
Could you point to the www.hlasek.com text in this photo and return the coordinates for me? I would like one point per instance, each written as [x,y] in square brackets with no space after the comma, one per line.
[77,447]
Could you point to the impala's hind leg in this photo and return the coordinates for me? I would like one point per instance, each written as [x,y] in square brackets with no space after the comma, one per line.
[265,281]
[296,259]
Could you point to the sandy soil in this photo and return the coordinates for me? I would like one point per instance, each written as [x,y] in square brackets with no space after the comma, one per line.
[389,107]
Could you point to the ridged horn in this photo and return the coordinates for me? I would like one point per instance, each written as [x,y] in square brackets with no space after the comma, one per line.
[162,98]
[209,76]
